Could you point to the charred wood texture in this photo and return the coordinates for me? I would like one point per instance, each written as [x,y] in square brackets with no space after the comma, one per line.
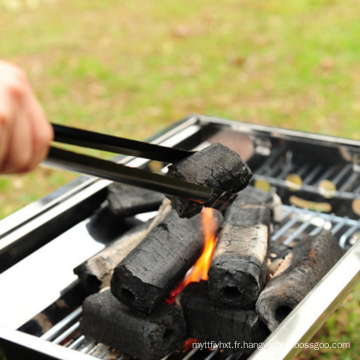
[254,196]
[301,270]
[247,215]
[96,272]
[127,200]
[154,336]
[145,277]
[216,167]
[208,322]
[238,268]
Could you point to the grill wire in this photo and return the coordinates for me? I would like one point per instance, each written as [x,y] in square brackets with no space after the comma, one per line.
[345,177]
[295,224]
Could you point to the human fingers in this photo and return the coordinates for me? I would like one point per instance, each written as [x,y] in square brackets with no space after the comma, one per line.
[22,121]
[20,147]
[41,129]
[4,131]
[7,116]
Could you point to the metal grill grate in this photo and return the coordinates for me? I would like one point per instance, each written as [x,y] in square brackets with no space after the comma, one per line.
[295,224]
[344,176]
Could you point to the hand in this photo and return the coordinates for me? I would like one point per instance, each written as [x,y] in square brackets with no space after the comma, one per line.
[25,133]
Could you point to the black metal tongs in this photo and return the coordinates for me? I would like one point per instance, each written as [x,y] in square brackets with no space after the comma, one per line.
[68,160]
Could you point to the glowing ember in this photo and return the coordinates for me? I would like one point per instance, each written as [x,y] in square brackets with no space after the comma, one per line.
[200,269]
[188,344]
[174,292]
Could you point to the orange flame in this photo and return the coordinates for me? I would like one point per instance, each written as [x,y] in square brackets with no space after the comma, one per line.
[200,269]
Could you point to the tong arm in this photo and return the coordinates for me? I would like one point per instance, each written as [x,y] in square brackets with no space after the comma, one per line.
[93,140]
[215,198]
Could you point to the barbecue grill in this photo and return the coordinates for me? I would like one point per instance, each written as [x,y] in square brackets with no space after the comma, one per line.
[40,306]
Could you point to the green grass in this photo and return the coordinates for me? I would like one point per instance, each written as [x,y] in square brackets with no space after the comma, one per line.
[130,68]
[341,327]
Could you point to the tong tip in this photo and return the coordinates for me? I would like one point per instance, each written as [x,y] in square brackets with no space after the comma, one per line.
[221,199]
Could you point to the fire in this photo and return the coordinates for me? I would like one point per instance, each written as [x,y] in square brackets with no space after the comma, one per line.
[200,269]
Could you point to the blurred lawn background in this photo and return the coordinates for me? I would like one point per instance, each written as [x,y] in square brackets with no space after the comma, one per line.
[130,68]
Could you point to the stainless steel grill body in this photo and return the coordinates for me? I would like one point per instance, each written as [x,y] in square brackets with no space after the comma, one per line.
[42,243]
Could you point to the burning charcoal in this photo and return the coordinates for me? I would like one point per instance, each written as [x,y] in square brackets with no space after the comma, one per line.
[301,270]
[107,320]
[277,253]
[126,200]
[238,268]
[207,322]
[96,272]
[146,276]
[216,167]
[254,196]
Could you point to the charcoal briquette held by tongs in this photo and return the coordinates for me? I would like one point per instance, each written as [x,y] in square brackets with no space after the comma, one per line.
[224,165]
[216,167]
